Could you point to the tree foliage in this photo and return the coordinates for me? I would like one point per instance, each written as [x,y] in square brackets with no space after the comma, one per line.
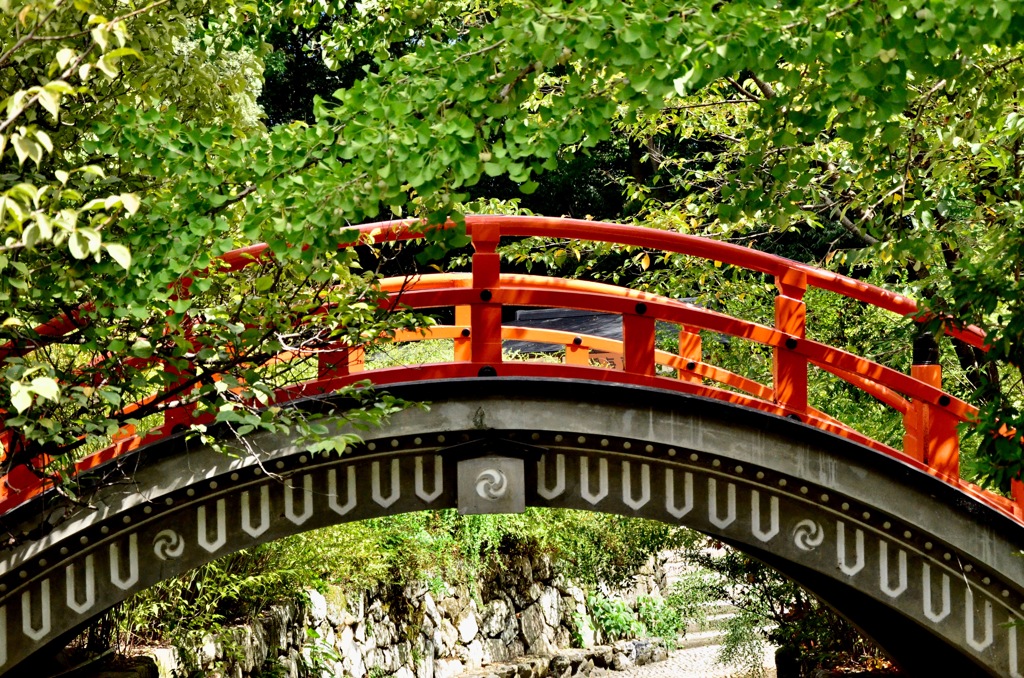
[137,146]
[894,121]
[133,155]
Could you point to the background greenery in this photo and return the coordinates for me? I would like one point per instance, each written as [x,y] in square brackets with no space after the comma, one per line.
[139,141]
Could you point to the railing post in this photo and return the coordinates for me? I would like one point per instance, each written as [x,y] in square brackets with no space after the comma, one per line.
[638,341]
[576,353]
[339,360]
[925,368]
[789,371]
[931,435]
[690,350]
[464,342]
[1017,492]
[485,317]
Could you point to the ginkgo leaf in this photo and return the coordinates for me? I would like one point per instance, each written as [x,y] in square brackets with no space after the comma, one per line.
[23,148]
[65,56]
[131,202]
[20,397]
[50,101]
[107,67]
[30,236]
[79,245]
[46,387]
[99,34]
[45,140]
[120,254]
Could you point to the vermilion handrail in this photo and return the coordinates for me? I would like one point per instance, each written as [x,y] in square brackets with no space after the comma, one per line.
[589,296]
[930,415]
[679,243]
[694,315]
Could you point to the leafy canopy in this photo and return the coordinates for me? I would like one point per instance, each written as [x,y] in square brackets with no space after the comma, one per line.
[132,156]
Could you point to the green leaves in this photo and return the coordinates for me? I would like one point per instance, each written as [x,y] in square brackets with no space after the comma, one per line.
[24,393]
[753,116]
[83,242]
[120,254]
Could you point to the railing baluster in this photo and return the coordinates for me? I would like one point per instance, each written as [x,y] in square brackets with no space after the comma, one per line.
[485,317]
[931,435]
[464,343]
[690,350]
[638,341]
[339,360]
[577,354]
[789,371]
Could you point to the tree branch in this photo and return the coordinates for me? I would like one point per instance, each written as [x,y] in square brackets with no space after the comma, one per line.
[741,89]
[31,35]
[709,103]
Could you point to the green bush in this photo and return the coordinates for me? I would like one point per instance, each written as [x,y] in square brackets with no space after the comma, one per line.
[613,618]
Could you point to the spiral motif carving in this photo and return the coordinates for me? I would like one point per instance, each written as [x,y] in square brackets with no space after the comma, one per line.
[168,544]
[491,484]
[808,535]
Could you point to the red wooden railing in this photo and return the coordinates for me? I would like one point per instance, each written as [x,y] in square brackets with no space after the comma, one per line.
[930,415]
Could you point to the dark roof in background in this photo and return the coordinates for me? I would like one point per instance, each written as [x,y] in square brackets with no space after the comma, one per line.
[565,320]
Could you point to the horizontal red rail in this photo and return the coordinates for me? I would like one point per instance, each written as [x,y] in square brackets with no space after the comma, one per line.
[517,290]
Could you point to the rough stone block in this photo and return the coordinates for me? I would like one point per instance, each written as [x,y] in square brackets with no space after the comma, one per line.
[447,668]
[449,636]
[467,624]
[430,609]
[620,662]
[541,566]
[537,634]
[496,617]
[495,651]
[475,654]
[317,606]
[549,603]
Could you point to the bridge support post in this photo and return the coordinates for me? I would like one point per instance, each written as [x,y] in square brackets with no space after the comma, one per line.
[485,314]
[931,435]
[789,371]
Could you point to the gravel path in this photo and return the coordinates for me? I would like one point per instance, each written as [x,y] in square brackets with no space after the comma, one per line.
[696,662]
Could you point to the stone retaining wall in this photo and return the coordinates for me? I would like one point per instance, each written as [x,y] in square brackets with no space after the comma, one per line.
[414,632]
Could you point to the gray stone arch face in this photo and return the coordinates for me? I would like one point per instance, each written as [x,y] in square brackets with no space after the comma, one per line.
[932,575]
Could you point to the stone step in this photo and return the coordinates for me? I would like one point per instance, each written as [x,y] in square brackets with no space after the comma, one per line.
[623,655]
[711,621]
[700,639]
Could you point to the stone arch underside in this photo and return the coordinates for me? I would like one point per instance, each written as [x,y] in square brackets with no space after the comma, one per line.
[930,574]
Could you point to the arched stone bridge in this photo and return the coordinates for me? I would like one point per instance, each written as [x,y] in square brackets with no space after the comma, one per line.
[925,563]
